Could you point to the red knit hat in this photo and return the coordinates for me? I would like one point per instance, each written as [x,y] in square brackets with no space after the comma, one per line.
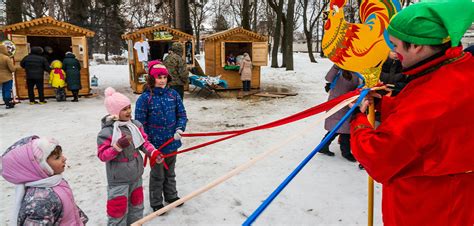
[155,68]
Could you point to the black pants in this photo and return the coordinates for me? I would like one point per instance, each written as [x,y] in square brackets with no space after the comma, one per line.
[75,94]
[345,144]
[31,83]
[246,85]
[60,94]
[180,90]
[163,182]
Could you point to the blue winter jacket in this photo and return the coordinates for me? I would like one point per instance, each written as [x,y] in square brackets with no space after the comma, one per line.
[162,113]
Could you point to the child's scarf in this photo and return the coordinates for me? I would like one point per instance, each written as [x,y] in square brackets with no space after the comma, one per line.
[137,137]
[60,72]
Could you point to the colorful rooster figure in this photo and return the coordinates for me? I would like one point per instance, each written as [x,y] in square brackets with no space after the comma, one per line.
[359,47]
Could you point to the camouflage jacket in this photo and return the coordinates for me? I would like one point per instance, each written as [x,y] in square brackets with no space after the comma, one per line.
[177,69]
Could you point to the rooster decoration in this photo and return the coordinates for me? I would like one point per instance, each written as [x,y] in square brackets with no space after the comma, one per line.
[359,47]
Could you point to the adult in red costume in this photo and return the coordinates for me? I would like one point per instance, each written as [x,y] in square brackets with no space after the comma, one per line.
[423,150]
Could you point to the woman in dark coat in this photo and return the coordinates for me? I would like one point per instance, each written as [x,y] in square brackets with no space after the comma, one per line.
[72,67]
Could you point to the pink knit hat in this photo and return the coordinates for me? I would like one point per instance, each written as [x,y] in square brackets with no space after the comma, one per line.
[115,101]
[155,68]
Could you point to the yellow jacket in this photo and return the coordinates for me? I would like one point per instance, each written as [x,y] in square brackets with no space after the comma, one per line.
[57,76]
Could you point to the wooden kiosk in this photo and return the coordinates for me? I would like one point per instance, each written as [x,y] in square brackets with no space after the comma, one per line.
[159,38]
[61,37]
[236,41]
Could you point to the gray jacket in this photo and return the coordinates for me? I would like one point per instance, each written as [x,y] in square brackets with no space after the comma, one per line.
[342,86]
[125,166]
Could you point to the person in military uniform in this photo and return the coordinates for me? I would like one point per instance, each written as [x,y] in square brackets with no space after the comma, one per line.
[177,68]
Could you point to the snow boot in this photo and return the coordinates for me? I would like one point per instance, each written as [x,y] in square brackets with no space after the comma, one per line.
[173,200]
[156,208]
[326,151]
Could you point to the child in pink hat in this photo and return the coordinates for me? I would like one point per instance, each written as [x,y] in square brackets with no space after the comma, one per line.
[118,145]
[42,197]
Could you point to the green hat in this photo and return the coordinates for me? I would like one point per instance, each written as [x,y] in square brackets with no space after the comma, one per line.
[433,22]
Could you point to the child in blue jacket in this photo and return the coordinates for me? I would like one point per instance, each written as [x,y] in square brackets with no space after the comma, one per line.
[161,111]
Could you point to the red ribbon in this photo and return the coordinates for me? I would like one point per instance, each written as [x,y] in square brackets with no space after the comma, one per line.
[233,133]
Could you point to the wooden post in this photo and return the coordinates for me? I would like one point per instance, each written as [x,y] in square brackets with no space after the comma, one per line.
[370,195]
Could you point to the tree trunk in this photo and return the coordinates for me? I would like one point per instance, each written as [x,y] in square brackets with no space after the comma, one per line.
[198,42]
[255,4]
[277,34]
[246,14]
[309,44]
[51,8]
[284,46]
[13,11]
[321,53]
[289,35]
[182,17]
[106,44]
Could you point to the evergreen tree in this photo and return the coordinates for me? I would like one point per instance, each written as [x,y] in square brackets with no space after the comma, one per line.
[221,23]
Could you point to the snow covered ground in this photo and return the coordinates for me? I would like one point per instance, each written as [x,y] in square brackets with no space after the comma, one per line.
[328,191]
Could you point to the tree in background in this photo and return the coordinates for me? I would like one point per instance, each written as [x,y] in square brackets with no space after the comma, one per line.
[315,11]
[198,11]
[33,9]
[182,17]
[78,12]
[13,11]
[246,14]
[278,9]
[290,24]
[220,8]
[109,26]
[220,23]
[146,13]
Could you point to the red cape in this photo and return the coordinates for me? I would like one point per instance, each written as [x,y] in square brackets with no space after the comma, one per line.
[423,151]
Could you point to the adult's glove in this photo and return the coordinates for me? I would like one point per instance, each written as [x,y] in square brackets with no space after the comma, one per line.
[123,142]
[327,87]
[177,135]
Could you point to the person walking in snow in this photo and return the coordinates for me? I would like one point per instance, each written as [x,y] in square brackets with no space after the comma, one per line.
[43,197]
[422,151]
[72,67]
[57,79]
[161,111]
[342,82]
[118,145]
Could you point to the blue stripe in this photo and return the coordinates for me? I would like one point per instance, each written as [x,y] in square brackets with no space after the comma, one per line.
[280,188]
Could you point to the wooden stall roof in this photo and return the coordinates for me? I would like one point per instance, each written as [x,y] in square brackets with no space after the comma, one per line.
[223,34]
[160,27]
[45,21]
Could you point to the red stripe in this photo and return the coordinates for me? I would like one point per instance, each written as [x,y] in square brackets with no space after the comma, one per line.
[233,133]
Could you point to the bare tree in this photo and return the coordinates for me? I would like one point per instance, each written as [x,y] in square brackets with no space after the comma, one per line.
[182,17]
[198,11]
[278,8]
[246,14]
[34,9]
[289,35]
[315,12]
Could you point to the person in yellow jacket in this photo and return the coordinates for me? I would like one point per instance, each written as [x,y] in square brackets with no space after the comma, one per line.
[57,79]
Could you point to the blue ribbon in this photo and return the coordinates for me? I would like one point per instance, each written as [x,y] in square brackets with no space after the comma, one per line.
[280,188]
